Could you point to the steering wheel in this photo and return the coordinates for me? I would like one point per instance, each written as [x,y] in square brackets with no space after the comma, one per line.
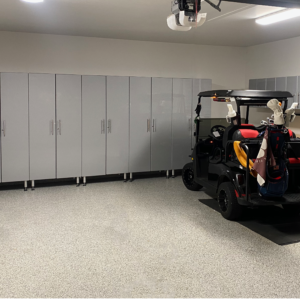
[217,132]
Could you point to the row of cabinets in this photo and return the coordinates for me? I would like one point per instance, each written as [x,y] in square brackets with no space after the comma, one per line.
[61,126]
[290,84]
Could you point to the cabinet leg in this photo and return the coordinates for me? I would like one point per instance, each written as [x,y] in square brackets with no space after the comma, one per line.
[173,173]
[84,181]
[25,186]
[32,185]
[77,182]
[125,177]
[168,174]
[131,177]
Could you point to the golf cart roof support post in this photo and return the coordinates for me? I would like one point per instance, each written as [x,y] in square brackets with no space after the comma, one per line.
[247,173]
[247,115]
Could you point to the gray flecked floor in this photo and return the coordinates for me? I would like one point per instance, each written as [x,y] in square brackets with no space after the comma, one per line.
[149,238]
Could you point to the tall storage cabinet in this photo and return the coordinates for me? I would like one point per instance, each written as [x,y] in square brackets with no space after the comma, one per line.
[14,126]
[117,155]
[93,125]
[291,86]
[161,142]
[140,124]
[181,122]
[68,113]
[42,126]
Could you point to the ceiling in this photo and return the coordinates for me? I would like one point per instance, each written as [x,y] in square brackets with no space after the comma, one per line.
[143,20]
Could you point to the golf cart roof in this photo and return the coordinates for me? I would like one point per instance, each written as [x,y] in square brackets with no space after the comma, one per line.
[247,94]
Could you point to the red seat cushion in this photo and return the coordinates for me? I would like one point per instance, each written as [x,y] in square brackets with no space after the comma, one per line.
[249,133]
[294,161]
[291,133]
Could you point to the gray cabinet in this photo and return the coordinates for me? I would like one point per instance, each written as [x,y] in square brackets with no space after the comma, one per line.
[261,84]
[140,124]
[271,84]
[14,126]
[291,86]
[93,125]
[298,92]
[281,84]
[117,157]
[181,122]
[252,84]
[68,113]
[161,141]
[42,126]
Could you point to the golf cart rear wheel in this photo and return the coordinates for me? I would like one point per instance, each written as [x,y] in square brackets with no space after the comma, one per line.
[229,206]
[188,178]
[292,209]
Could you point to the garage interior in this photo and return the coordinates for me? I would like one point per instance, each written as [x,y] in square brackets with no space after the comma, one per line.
[92,204]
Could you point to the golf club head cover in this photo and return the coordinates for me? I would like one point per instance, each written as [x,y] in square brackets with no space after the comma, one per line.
[278,113]
[290,114]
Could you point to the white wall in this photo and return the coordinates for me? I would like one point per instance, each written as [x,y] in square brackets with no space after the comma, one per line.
[42,53]
[281,58]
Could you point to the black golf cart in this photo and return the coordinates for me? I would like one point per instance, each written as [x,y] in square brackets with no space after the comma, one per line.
[216,167]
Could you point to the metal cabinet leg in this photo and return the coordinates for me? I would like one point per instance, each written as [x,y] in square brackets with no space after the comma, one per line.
[32,185]
[84,181]
[25,186]
[77,182]
[168,174]
[173,173]
[131,177]
[125,177]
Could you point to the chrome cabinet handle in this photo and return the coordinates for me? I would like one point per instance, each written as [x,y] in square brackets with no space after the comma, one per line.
[102,126]
[4,128]
[154,127]
[59,127]
[51,127]
[109,126]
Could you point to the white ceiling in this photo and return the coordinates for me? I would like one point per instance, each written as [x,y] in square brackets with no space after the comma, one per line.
[143,20]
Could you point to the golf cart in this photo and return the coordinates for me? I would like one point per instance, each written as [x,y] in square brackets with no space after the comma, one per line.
[228,161]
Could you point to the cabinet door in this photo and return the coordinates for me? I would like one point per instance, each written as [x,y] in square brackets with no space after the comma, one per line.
[261,84]
[140,124]
[68,106]
[42,126]
[298,91]
[291,86]
[281,84]
[93,125]
[181,122]
[14,122]
[117,157]
[252,84]
[161,139]
[271,84]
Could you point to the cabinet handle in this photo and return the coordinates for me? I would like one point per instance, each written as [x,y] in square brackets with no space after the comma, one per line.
[4,128]
[101,126]
[59,127]
[109,126]
[154,128]
[51,127]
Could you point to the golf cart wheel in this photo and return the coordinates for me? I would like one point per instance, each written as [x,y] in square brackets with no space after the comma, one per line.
[188,178]
[229,206]
[292,209]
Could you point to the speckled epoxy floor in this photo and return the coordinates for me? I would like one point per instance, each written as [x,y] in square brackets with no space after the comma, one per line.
[149,238]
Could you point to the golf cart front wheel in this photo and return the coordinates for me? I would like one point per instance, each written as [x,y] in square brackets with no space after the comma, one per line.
[229,207]
[188,178]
